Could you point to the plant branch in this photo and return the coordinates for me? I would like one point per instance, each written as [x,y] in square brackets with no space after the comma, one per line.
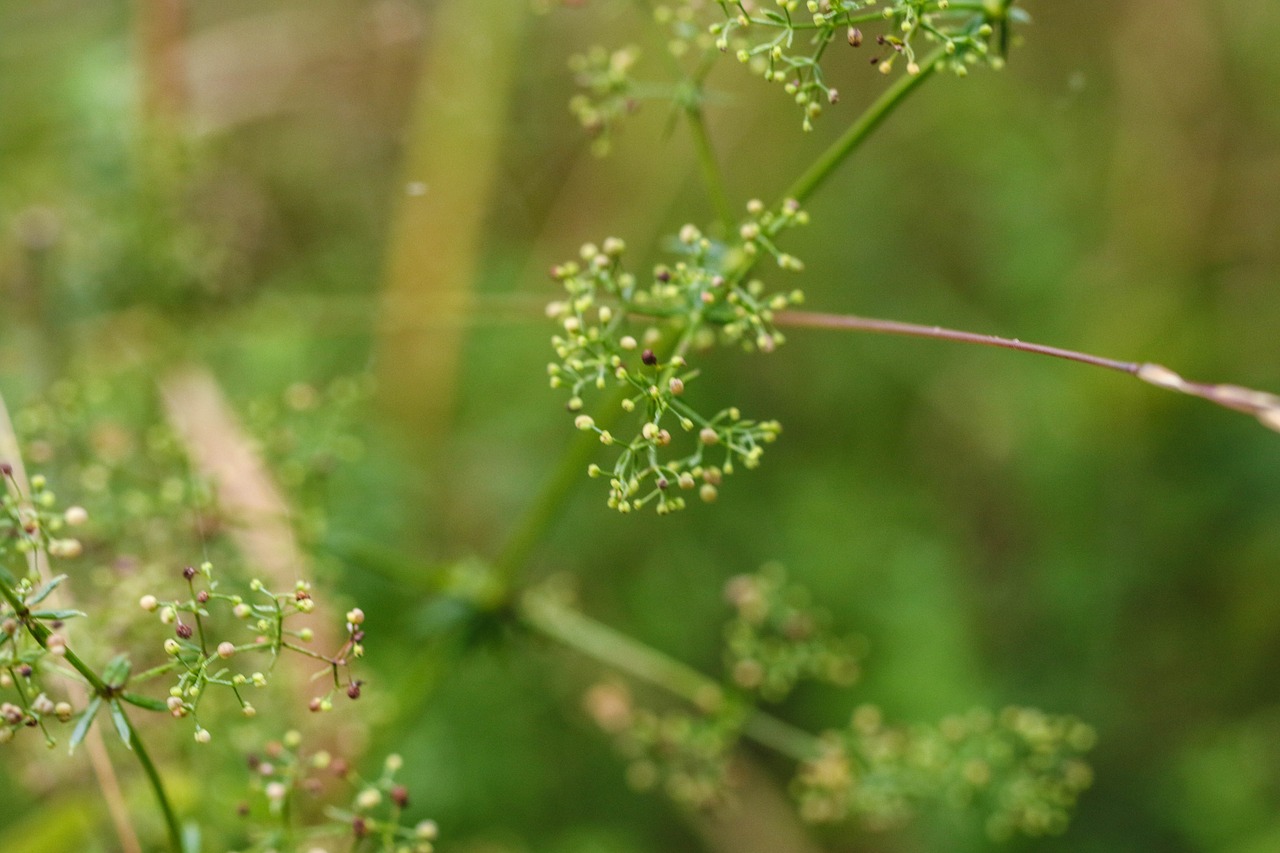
[41,635]
[157,784]
[552,618]
[1260,404]
[711,174]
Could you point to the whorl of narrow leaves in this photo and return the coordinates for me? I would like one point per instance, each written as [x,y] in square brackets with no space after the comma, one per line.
[619,332]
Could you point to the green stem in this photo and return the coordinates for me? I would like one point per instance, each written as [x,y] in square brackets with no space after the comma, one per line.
[711,174]
[862,127]
[597,640]
[157,784]
[537,521]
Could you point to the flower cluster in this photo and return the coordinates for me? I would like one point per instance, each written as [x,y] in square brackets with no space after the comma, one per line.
[684,755]
[608,91]
[32,642]
[265,619]
[1021,767]
[777,638]
[33,524]
[786,45]
[289,785]
[613,335]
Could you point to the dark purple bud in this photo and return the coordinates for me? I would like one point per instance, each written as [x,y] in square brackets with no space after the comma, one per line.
[359,827]
[183,630]
[353,690]
[203,596]
[189,572]
[400,796]
[648,357]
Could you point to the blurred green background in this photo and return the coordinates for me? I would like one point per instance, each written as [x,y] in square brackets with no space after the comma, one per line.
[297,192]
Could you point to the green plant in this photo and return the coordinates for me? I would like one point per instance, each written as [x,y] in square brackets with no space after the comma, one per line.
[630,346]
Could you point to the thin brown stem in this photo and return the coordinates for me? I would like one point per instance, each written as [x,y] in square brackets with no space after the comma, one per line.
[854,323]
[1261,404]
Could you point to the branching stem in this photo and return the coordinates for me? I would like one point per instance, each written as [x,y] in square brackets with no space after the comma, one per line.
[107,692]
[554,619]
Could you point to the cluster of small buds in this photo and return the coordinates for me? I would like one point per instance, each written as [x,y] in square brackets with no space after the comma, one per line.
[374,818]
[607,94]
[765,39]
[29,711]
[777,638]
[684,20]
[685,756]
[611,336]
[1022,767]
[267,616]
[34,523]
[32,642]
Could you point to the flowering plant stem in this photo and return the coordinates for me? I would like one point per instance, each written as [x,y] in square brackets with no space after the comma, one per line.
[560,622]
[107,693]
[542,514]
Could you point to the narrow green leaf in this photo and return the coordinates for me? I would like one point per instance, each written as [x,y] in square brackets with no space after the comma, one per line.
[56,614]
[44,591]
[145,702]
[122,724]
[86,720]
[117,671]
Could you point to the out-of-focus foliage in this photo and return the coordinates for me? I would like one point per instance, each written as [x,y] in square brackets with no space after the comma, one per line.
[1002,530]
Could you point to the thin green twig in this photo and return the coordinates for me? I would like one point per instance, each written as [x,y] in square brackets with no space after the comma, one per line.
[707,164]
[545,614]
